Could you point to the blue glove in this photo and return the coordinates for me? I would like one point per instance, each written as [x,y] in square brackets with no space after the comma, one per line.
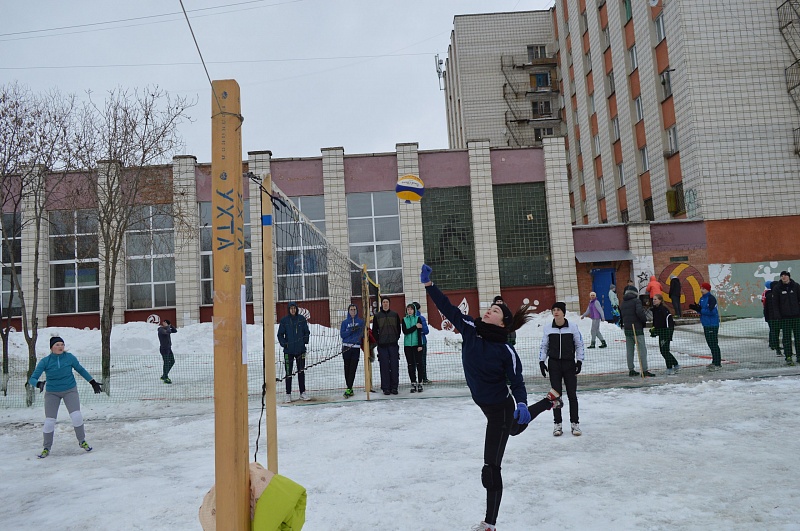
[522,414]
[425,274]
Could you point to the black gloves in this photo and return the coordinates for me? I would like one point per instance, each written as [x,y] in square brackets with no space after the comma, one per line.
[695,307]
[96,386]
[578,365]
[543,368]
[40,385]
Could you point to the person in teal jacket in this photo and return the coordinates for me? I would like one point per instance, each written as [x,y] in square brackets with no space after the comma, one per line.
[60,385]
[425,332]
[412,346]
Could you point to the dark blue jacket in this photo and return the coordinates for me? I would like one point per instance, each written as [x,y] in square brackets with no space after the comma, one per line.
[487,364]
[293,333]
[352,331]
[164,338]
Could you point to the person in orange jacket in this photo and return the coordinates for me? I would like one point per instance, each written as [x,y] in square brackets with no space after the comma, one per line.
[653,288]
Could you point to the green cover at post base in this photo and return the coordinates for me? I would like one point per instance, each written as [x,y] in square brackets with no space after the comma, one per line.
[281,507]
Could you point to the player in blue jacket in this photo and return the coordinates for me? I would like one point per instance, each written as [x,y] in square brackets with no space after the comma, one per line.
[61,385]
[352,334]
[489,362]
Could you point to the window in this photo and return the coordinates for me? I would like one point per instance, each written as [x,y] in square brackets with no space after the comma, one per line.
[606,37]
[150,252]
[12,256]
[626,10]
[578,146]
[580,177]
[615,128]
[74,263]
[541,132]
[541,108]
[591,104]
[373,221]
[621,174]
[644,160]
[588,61]
[596,145]
[659,23]
[672,139]
[666,83]
[633,58]
[648,209]
[537,51]
[301,257]
[680,199]
[584,22]
[639,110]
[623,216]
[542,81]
[611,87]
[601,187]
[206,260]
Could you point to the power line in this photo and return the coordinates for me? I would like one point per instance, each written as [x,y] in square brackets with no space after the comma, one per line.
[244,61]
[147,17]
[211,84]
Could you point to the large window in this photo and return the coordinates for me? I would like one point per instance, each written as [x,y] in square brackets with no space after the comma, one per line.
[449,238]
[373,223]
[537,51]
[301,254]
[12,257]
[150,250]
[206,261]
[672,138]
[644,160]
[661,34]
[74,264]
[634,59]
[637,103]
[666,83]
[615,128]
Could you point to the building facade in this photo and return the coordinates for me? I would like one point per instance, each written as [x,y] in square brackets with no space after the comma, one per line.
[500,80]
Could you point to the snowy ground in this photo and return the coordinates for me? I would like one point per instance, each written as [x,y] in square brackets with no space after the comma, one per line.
[708,455]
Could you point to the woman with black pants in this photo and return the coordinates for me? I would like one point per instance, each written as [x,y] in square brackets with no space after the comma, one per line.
[489,362]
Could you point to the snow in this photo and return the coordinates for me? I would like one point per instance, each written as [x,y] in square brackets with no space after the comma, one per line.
[710,454]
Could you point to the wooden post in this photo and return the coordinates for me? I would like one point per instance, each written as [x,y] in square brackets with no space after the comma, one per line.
[267,270]
[230,347]
[366,307]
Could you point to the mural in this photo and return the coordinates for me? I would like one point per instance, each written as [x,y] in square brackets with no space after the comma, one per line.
[690,279]
[642,271]
[446,324]
[738,287]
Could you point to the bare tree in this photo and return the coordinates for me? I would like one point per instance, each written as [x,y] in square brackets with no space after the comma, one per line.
[36,155]
[120,141]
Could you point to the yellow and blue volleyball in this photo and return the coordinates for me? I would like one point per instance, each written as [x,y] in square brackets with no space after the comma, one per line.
[410,188]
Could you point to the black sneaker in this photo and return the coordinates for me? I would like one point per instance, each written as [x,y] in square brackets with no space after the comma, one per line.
[394,391]
[648,374]
[633,373]
[419,388]
[387,393]
[413,388]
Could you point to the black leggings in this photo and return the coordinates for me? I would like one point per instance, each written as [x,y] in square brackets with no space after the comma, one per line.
[500,424]
[169,360]
[350,356]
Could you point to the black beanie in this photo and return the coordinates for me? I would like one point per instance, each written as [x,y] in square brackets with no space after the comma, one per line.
[507,315]
[561,306]
[498,298]
[54,340]
[786,273]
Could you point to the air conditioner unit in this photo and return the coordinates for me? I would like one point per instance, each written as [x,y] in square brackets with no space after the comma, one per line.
[672,202]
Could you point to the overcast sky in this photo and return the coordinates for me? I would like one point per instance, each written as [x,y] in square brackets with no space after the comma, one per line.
[313,73]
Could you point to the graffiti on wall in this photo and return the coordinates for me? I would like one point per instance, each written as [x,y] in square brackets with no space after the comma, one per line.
[738,287]
[642,271]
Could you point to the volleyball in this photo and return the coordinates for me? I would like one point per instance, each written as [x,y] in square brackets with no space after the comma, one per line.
[410,188]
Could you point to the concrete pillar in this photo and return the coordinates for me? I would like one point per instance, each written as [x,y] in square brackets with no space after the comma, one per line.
[482,200]
[641,245]
[187,240]
[411,230]
[339,266]
[562,247]
[258,162]
[110,170]
[33,197]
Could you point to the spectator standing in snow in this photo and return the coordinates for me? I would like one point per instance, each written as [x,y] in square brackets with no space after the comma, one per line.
[293,335]
[653,288]
[595,312]
[663,329]
[60,385]
[675,294]
[165,331]
[352,334]
[709,318]
[412,346]
[771,317]
[634,319]
[386,328]
[786,301]
[425,332]
[562,350]
[614,300]
[489,361]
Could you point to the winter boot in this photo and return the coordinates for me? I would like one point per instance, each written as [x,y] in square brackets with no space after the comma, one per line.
[603,343]
[557,431]
[591,345]
[576,429]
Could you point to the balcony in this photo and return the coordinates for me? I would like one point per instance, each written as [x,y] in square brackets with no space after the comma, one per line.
[523,62]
